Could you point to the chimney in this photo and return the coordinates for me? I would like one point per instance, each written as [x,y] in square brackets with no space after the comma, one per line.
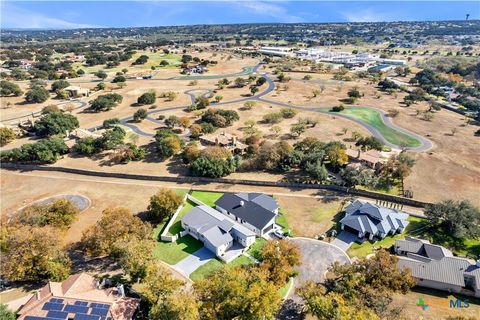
[241,203]
[121,290]
[38,295]
[234,140]
[216,140]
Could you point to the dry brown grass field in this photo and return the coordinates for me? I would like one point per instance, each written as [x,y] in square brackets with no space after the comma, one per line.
[450,169]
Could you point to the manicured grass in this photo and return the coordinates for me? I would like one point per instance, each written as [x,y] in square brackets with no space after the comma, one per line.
[465,248]
[282,222]
[373,118]
[214,265]
[207,197]
[284,290]
[174,252]
[256,248]
[154,59]
[177,225]
[364,249]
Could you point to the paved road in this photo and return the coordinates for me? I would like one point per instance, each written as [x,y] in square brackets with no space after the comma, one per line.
[317,256]
[344,240]
[194,261]
[425,143]
[80,104]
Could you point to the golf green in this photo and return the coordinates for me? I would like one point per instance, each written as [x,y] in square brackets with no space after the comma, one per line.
[374,119]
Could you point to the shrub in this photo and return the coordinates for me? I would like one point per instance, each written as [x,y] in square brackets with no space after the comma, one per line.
[274,117]
[168,143]
[54,123]
[220,118]
[119,79]
[37,94]
[147,98]
[106,102]
[338,108]
[288,113]
[59,85]
[109,123]
[44,151]
[7,135]
[139,115]
[8,88]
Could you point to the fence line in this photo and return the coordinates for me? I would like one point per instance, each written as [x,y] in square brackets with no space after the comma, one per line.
[189,179]
[164,235]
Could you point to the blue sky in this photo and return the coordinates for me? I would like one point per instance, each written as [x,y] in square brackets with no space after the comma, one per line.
[79,14]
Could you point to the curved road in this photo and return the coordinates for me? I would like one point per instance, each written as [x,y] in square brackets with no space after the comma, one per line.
[425,143]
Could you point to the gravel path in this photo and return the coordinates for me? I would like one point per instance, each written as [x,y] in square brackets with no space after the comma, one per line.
[81,202]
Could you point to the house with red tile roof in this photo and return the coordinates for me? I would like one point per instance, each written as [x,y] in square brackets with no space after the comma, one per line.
[79,297]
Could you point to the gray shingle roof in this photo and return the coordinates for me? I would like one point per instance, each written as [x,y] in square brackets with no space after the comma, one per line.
[261,199]
[422,247]
[203,218]
[251,212]
[372,218]
[217,236]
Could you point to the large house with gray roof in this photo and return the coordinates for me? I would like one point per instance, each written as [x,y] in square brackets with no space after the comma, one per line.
[435,267]
[370,221]
[219,233]
[255,211]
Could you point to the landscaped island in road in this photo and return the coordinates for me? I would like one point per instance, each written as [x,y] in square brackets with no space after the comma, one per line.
[373,119]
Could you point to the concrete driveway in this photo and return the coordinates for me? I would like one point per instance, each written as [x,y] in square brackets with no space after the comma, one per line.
[344,240]
[317,256]
[194,261]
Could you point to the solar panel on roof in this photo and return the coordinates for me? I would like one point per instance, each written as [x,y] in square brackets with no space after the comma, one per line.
[82,316]
[81,303]
[75,309]
[52,306]
[99,311]
[57,314]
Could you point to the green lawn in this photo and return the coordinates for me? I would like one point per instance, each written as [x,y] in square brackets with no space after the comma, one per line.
[215,264]
[362,250]
[256,248]
[154,59]
[465,248]
[207,197]
[373,118]
[284,290]
[174,252]
[177,225]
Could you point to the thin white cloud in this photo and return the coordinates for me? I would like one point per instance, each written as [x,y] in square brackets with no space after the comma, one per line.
[15,17]
[367,15]
[269,9]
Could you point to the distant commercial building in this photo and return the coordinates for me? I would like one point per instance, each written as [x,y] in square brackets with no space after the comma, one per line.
[276,51]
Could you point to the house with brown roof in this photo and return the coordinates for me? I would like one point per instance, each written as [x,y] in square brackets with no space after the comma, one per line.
[224,140]
[79,297]
[370,158]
